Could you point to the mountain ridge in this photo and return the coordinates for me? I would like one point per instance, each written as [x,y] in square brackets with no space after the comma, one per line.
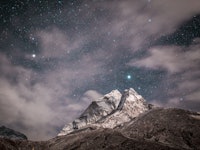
[109,111]
[122,121]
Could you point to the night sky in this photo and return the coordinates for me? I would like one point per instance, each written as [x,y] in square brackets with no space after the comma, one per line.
[58,56]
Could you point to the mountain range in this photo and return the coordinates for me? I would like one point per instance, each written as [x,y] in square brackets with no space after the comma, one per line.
[121,121]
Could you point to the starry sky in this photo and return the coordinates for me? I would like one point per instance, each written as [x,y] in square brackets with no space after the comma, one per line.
[56,56]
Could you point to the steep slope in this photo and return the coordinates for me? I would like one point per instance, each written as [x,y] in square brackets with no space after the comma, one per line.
[11,134]
[173,127]
[95,111]
[109,111]
[100,139]
[131,105]
[122,121]
[166,129]
[103,139]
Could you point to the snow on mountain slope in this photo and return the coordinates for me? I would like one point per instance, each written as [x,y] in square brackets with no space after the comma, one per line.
[131,105]
[112,110]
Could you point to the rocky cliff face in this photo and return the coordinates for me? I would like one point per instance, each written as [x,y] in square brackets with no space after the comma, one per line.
[110,111]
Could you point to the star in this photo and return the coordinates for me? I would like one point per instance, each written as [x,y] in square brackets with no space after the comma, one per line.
[128,76]
[33,55]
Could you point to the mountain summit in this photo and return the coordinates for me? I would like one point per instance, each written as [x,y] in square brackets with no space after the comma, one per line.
[122,121]
[112,110]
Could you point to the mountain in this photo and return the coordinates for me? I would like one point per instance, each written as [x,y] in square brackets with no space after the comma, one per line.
[158,128]
[11,134]
[122,122]
[172,127]
[109,111]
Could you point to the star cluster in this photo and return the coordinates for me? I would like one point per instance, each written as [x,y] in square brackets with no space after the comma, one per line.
[57,56]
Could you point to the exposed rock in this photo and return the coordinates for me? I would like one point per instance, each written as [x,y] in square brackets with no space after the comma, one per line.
[173,127]
[95,111]
[11,134]
[121,122]
[100,139]
[111,110]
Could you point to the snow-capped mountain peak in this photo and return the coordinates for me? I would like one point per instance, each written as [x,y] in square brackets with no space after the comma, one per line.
[129,96]
[109,111]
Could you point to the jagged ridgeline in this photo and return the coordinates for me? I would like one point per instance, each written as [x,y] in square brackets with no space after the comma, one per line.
[112,110]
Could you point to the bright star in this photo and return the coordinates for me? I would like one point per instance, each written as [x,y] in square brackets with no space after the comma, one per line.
[129,77]
[33,55]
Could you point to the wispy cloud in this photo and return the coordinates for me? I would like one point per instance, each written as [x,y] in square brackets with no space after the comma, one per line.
[97,33]
[171,58]
[44,102]
[136,23]
[55,43]
[182,66]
